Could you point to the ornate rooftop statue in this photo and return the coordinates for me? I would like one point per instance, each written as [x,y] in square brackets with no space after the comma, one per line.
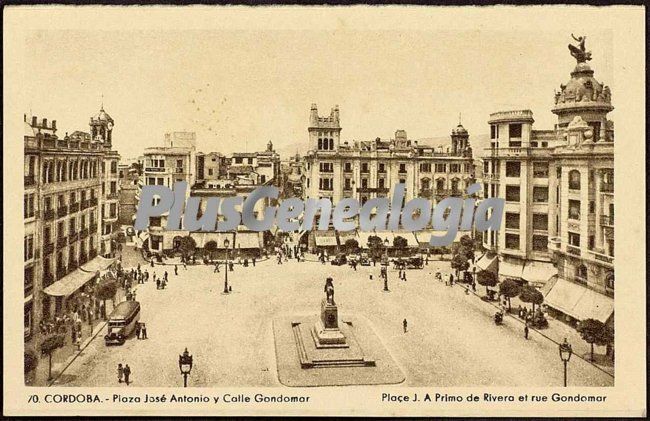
[579,52]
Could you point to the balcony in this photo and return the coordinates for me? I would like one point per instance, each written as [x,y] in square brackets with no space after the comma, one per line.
[92,253]
[112,196]
[72,264]
[580,280]
[607,221]
[510,152]
[48,279]
[427,193]
[62,211]
[74,207]
[61,241]
[73,237]
[29,180]
[93,228]
[600,257]
[154,169]
[61,272]
[347,170]
[83,233]
[85,204]
[48,215]
[607,187]
[179,170]
[48,249]
[573,250]
[93,201]
[372,190]
[490,177]
[29,287]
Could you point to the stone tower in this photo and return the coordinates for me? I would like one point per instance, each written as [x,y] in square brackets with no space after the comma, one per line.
[324,132]
[101,127]
[459,140]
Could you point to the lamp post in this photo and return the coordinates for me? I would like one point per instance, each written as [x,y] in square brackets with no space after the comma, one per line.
[185,365]
[387,264]
[565,356]
[226,244]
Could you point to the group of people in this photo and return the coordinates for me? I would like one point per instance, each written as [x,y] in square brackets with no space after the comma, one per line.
[140,330]
[123,373]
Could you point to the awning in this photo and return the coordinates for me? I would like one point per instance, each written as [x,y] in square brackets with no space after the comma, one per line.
[99,263]
[511,270]
[219,238]
[247,240]
[538,273]
[488,263]
[409,236]
[347,235]
[579,302]
[364,236]
[325,239]
[69,283]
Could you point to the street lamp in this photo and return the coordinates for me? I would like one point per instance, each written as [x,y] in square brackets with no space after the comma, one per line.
[226,243]
[185,365]
[387,264]
[565,356]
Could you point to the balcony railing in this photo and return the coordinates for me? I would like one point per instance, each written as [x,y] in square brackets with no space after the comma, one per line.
[607,220]
[154,169]
[48,249]
[347,170]
[607,187]
[48,215]
[580,280]
[73,237]
[602,257]
[93,228]
[112,195]
[29,286]
[573,250]
[74,207]
[85,204]
[62,211]
[372,190]
[61,241]
[29,180]
[93,201]
[83,233]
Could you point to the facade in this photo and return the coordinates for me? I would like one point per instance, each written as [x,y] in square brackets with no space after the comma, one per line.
[63,202]
[559,191]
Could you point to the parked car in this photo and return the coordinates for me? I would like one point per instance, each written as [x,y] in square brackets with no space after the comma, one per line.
[364,259]
[353,258]
[339,260]
[414,263]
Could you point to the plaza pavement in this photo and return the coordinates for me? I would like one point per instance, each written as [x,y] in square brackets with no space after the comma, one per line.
[452,339]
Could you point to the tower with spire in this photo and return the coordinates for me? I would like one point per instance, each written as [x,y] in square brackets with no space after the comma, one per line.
[101,127]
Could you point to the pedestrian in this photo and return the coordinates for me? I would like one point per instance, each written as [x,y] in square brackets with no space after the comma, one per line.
[474,286]
[152,262]
[127,374]
[166,275]
[232,266]
[78,342]
[216,268]
[526,331]
[120,372]
[138,267]
[451,279]
[426,260]
[405,325]
[185,264]
[176,270]
[143,331]
[157,283]
[137,330]
[253,262]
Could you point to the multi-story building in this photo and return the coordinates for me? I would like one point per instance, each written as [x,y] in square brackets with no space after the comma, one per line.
[62,213]
[368,169]
[558,184]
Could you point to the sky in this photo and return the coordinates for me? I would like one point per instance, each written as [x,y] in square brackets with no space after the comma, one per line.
[238,89]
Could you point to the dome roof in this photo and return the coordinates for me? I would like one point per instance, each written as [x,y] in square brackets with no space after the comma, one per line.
[459,130]
[102,116]
[583,91]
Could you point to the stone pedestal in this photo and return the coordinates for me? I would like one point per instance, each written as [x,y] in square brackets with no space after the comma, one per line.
[326,330]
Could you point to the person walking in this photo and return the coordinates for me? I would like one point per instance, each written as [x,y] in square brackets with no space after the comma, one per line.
[120,372]
[176,270]
[253,262]
[166,276]
[137,330]
[526,331]
[152,262]
[127,374]
[143,331]
[78,341]
[405,325]
[184,264]
[216,268]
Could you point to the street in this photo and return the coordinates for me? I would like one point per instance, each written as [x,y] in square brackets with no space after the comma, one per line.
[452,339]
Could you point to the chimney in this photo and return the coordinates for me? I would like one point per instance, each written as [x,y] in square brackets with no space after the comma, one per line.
[33,121]
[45,123]
[53,124]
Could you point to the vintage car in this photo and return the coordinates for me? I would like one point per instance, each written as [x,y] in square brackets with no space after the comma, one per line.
[339,260]
[414,263]
[364,260]
[122,322]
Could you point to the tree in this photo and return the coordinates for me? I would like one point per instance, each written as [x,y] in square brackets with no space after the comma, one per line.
[106,290]
[487,279]
[48,346]
[375,245]
[509,288]
[594,332]
[401,244]
[210,247]
[187,246]
[529,294]
[467,247]
[30,361]
[351,245]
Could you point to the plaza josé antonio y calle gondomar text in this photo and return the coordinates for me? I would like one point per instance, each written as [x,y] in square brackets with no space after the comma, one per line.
[449,214]
[226,398]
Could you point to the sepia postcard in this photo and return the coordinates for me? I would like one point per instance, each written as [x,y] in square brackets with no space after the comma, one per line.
[352,210]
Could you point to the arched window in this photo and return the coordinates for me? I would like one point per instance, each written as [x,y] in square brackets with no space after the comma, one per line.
[425,184]
[320,144]
[331,144]
[574,180]
[581,273]
[440,184]
[454,185]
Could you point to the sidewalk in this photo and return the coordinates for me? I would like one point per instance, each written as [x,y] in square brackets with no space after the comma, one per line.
[556,331]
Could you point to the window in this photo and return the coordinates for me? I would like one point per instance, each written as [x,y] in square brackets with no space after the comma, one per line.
[540,194]
[72,224]
[513,169]
[239,160]
[47,203]
[540,243]
[574,180]
[440,184]
[381,183]
[581,274]
[364,168]
[29,247]
[540,221]
[402,168]
[210,171]
[512,220]
[486,167]
[454,167]
[540,169]
[512,241]
[364,183]
[28,209]
[155,221]
[114,167]
[441,167]
[609,281]
[347,167]
[514,130]
[347,184]
[574,239]
[574,209]
[425,184]
[592,206]
[512,194]
[592,240]
[327,167]
[425,167]
[494,131]
[250,161]
[326,184]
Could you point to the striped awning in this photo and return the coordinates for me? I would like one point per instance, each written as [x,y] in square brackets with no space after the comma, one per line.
[579,301]
[69,283]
